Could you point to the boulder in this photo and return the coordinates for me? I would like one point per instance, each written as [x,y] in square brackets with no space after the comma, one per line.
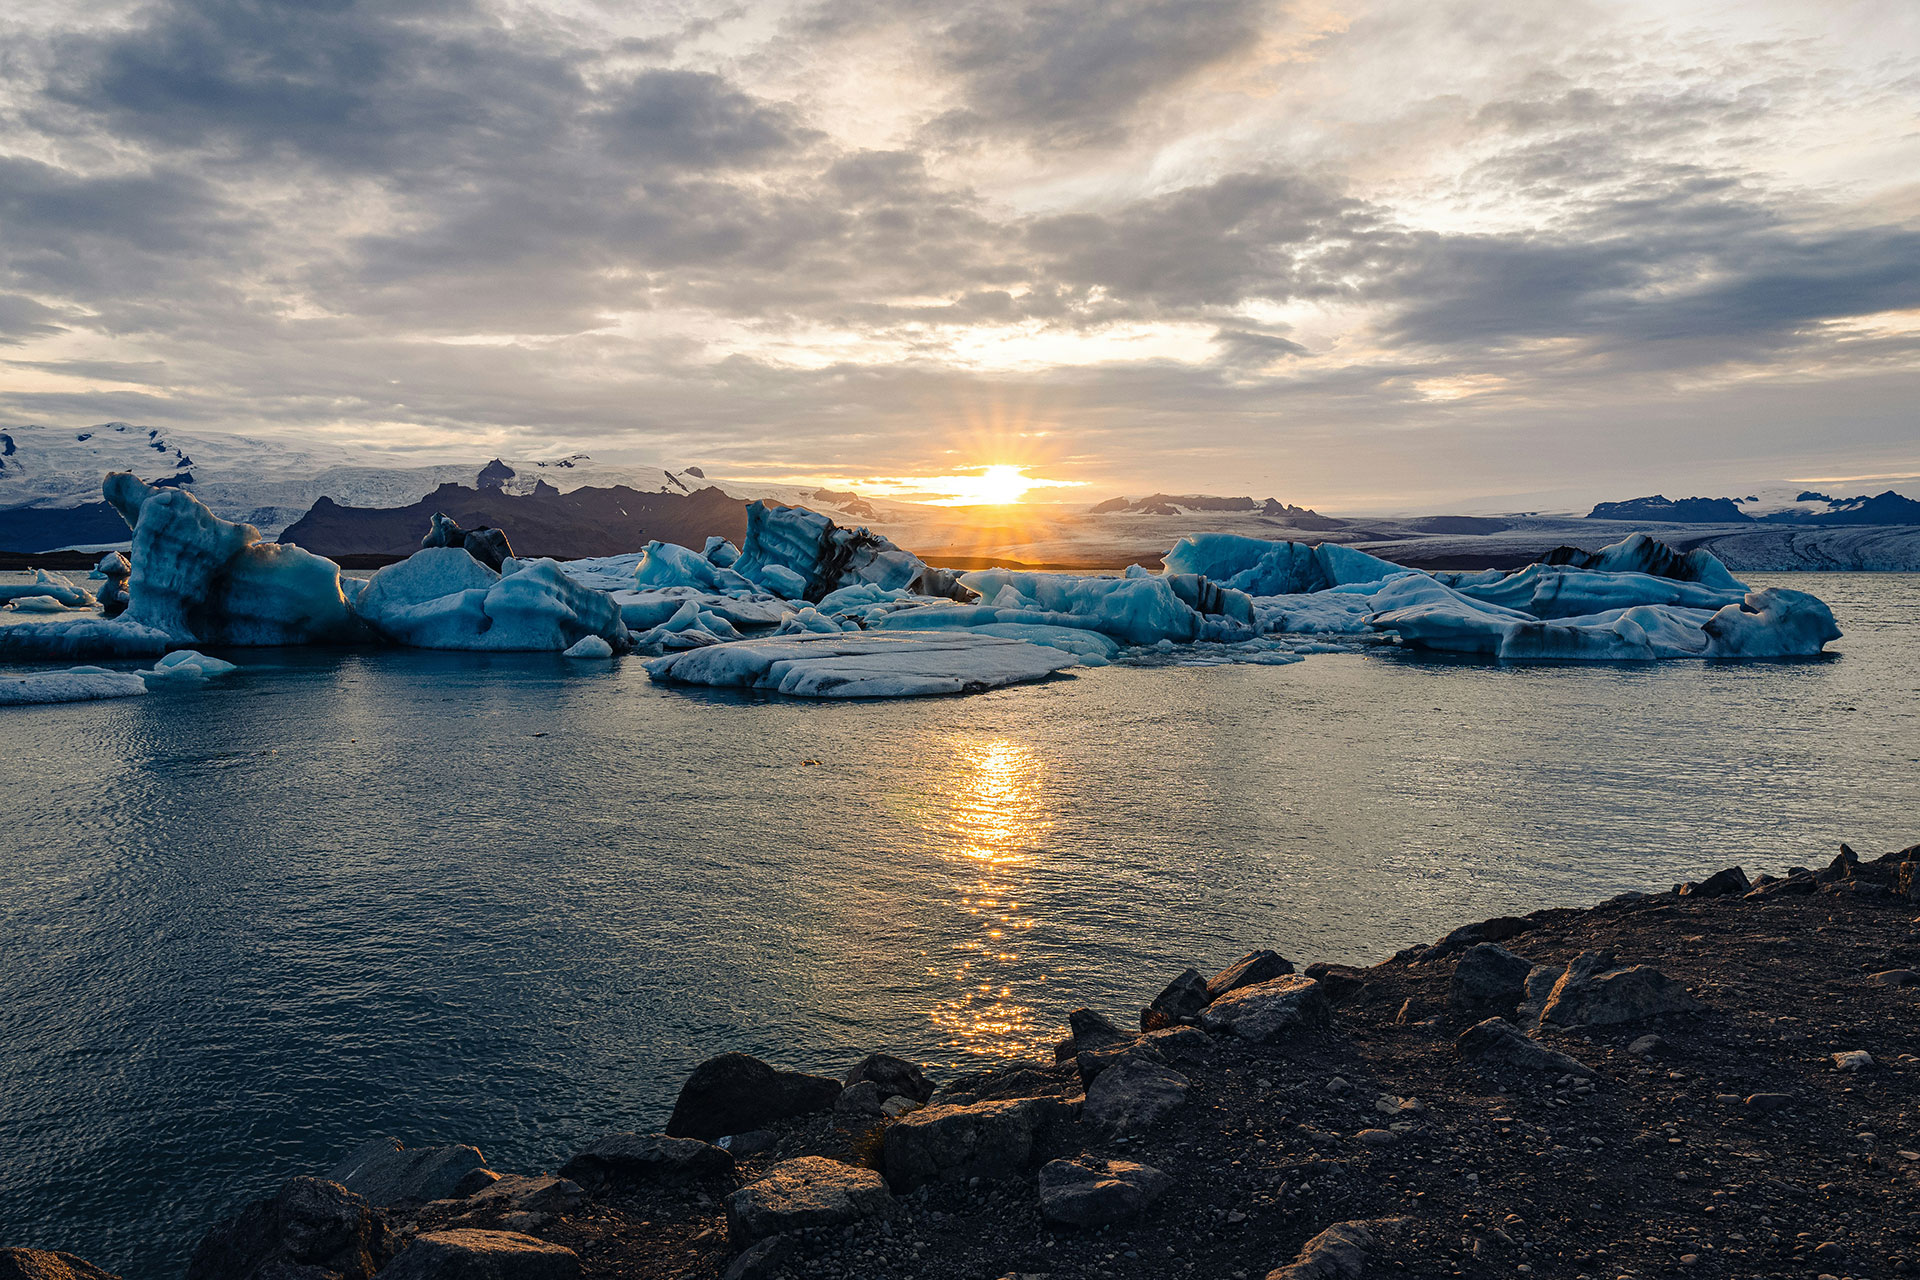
[646,1157]
[1592,993]
[862,1099]
[1089,1030]
[482,1255]
[1096,1194]
[955,1143]
[895,1077]
[307,1223]
[1250,969]
[810,1193]
[1338,982]
[736,1092]
[39,1264]
[1338,1253]
[1133,1094]
[1732,880]
[1268,1010]
[1498,929]
[1091,1062]
[537,1193]
[761,1261]
[1179,1044]
[1497,1046]
[1488,982]
[388,1174]
[1181,1002]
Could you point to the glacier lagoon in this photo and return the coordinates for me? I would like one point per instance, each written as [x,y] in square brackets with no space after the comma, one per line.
[511,899]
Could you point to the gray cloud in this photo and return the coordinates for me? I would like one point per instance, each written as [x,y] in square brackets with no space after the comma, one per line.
[276,213]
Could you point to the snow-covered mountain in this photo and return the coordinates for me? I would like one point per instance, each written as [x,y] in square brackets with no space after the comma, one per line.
[271,483]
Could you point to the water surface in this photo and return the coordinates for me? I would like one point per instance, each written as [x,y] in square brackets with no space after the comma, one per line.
[512,900]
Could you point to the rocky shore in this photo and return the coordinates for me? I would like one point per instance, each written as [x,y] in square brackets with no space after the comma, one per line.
[1720,1080]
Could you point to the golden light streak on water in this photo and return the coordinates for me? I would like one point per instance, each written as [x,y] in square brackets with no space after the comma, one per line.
[994,819]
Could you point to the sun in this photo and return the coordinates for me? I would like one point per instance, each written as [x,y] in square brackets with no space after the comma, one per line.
[998,485]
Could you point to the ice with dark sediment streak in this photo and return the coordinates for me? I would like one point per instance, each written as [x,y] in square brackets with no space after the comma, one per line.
[443,598]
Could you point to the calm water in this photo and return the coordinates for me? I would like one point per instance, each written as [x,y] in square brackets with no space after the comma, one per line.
[512,901]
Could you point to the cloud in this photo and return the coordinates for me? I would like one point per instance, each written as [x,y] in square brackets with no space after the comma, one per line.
[437,220]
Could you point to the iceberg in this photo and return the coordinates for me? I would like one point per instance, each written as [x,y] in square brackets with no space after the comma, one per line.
[1140,608]
[113,570]
[1771,623]
[865,665]
[1642,553]
[487,545]
[643,610]
[52,586]
[443,598]
[663,564]
[589,647]
[79,684]
[804,556]
[720,551]
[1262,568]
[35,604]
[201,579]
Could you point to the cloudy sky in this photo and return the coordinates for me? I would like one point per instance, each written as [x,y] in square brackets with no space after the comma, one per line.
[1351,253]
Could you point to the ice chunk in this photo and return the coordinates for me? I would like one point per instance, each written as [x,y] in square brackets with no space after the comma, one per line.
[783,581]
[202,579]
[721,552]
[823,557]
[113,570]
[442,598]
[589,647]
[1642,553]
[808,621]
[84,636]
[35,604]
[644,610]
[1136,610]
[1315,613]
[1771,623]
[664,564]
[53,586]
[187,665]
[81,684]
[1547,591]
[1262,568]
[864,665]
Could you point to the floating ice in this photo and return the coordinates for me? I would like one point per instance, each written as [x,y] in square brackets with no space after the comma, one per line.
[808,621]
[80,684]
[864,665]
[663,564]
[642,610]
[804,556]
[186,665]
[721,552]
[1771,623]
[443,598]
[201,579]
[1140,608]
[589,647]
[53,586]
[35,604]
[1263,568]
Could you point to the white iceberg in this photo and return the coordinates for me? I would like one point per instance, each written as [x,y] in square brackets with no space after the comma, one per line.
[864,665]
[35,604]
[589,647]
[186,666]
[664,564]
[80,684]
[52,586]
[201,579]
[443,598]
[1771,623]
[1140,608]
[1262,568]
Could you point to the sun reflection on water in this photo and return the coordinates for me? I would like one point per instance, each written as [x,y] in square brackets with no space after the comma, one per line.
[993,820]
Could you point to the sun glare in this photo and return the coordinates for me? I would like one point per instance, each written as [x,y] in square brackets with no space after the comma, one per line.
[998,484]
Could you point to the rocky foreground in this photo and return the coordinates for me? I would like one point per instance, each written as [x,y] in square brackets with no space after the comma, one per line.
[1716,1081]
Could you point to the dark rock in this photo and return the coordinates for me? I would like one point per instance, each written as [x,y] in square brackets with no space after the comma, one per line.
[810,1193]
[760,1262]
[39,1264]
[896,1077]
[1767,1103]
[1133,1095]
[388,1174]
[1339,983]
[1269,1010]
[1488,982]
[1906,880]
[1338,1253]
[1090,1030]
[529,1193]
[1097,1194]
[1895,978]
[477,1180]
[307,1223]
[646,1157]
[1796,883]
[1180,1002]
[1592,993]
[1093,1061]
[1179,1044]
[1250,969]
[1718,885]
[488,546]
[750,1143]
[465,1254]
[1496,1045]
[1648,1047]
[736,1092]
[954,1143]
[862,1099]
[1498,929]
[1841,868]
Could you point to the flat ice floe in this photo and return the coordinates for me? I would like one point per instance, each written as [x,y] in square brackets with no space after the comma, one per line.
[80,684]
[886,665]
